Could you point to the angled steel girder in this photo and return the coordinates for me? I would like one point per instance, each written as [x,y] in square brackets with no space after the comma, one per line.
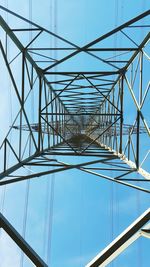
[126,238]
[23,245]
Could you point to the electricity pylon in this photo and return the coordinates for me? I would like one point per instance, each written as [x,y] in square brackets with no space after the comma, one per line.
[78,112]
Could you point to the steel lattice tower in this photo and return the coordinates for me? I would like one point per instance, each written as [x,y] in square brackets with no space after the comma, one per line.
[78,113]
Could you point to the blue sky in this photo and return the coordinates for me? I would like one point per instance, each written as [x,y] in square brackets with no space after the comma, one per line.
[78,212]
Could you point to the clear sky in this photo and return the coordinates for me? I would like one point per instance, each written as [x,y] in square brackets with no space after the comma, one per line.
[71,216]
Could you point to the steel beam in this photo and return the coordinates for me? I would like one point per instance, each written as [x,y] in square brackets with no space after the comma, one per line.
[23,245]
[125,239]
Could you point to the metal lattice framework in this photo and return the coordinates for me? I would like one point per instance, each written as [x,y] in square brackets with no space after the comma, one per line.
[79,112]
